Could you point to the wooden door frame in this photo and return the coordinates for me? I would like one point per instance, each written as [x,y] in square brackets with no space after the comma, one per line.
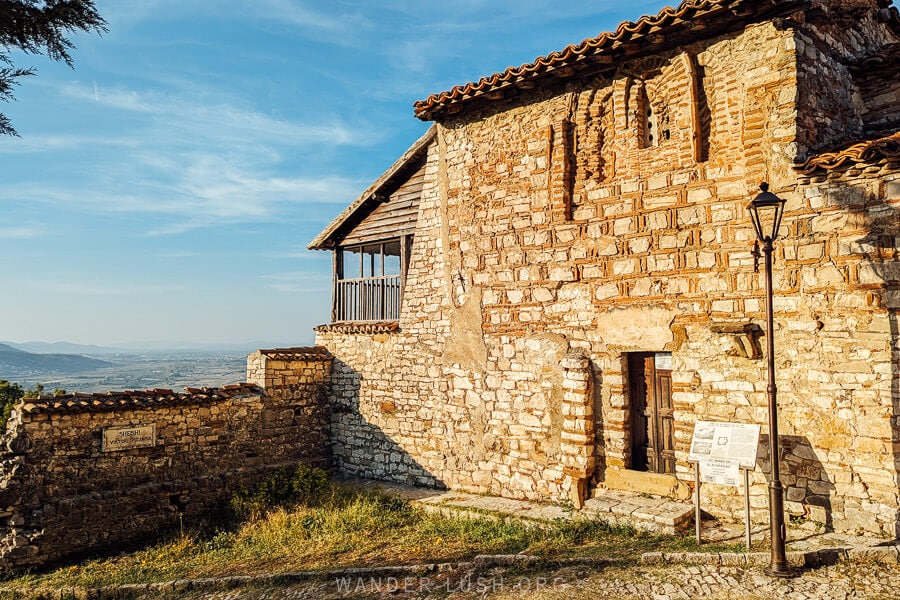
[646,389]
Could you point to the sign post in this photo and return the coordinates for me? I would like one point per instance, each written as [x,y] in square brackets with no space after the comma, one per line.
[747,506]
[697,501]
[720,451]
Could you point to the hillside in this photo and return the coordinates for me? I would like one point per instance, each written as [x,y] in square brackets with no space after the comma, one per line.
[15,362]
[61,348]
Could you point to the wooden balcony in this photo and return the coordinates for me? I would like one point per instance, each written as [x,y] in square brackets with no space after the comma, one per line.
[367,299]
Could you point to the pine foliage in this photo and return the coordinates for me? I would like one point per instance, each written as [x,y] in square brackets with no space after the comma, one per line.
[39,27]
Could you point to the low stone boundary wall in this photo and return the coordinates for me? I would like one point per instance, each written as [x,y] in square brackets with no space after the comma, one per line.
[391,579]
[809,559]
[86,472]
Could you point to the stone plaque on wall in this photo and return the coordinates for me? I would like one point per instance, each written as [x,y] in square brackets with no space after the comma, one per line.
[125,438]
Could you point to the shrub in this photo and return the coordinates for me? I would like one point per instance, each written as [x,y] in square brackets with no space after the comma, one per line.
[309,483]
[305,484]
[10,394]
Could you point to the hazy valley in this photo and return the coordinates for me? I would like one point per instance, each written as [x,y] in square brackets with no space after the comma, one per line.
[108,369]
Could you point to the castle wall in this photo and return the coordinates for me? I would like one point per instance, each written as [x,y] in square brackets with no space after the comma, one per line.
[552,227]
[64,491]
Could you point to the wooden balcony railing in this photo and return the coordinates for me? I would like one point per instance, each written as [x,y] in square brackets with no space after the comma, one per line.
[367,299]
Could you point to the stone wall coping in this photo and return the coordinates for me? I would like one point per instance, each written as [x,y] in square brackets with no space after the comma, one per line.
[351,327]
[129,400]
[307,353]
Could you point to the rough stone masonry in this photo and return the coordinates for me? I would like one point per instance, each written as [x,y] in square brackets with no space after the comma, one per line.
[587,210]
[72,481]
[580,245]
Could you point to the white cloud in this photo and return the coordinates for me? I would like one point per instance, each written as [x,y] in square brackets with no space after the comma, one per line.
[193,164]
[299,282]
[299,254]
[52,143]
[209,122]
[204,193]
[300,14]
[100,289]
[124,13]
[20,233]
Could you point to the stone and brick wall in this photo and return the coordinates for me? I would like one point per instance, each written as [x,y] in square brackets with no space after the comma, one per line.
[835,103]
[550,228]
[61,494]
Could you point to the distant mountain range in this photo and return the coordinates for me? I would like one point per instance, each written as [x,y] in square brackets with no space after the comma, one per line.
[151,346]
[62,348]
[14,362]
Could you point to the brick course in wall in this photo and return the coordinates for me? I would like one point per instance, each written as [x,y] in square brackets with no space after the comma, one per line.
[550,228]
[563,229]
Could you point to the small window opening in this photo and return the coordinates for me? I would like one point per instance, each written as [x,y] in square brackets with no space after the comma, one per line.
[705,114]
[656,122]
[650,129]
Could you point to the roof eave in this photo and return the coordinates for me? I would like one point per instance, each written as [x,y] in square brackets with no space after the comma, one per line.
[884,148]
[326,238]
[668,29]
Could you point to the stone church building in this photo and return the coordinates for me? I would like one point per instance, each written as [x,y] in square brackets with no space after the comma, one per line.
[547,291]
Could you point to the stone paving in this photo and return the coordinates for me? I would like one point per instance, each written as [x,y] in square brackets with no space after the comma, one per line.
[502,577]
[648,513]
[642,511]
[843,581]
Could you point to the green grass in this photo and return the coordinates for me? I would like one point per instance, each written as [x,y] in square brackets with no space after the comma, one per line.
[348,526]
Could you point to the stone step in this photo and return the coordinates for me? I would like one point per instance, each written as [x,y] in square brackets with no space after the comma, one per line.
[643,512]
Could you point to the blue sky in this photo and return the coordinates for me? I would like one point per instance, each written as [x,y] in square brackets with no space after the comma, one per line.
[165,189]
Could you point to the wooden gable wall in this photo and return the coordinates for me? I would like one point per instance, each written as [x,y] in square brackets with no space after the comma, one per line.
[391,219]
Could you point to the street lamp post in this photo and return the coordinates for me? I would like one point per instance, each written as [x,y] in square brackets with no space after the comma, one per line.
[766,211]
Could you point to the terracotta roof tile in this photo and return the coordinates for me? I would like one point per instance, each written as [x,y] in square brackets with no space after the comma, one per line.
[134,399]
[651,31]
[311,353]
[876,64]
[869,151]
[351,327]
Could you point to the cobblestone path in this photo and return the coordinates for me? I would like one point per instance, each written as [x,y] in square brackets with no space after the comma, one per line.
[845,580]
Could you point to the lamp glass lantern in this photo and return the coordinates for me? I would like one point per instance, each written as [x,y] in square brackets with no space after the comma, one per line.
[766,211]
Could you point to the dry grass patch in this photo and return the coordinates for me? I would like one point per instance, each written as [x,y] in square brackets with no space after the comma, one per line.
[344,526]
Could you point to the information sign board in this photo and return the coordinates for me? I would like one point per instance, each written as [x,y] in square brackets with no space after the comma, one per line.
[719,451]
[735,442]
[720,471]
[125,438]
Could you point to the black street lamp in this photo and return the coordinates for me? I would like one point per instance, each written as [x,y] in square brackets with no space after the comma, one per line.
[766,210]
